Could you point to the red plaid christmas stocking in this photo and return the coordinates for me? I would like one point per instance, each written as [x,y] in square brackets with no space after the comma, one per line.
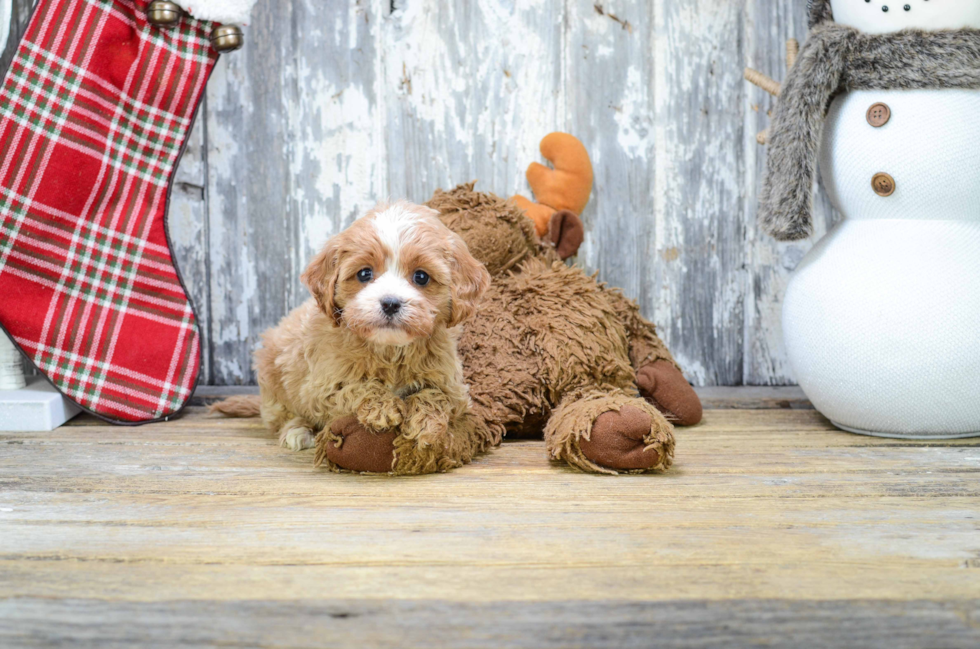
[94,112]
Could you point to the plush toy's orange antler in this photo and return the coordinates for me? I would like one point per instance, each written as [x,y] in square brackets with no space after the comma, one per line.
[566,187]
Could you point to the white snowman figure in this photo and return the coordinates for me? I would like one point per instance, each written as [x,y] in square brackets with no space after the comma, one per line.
[881,320]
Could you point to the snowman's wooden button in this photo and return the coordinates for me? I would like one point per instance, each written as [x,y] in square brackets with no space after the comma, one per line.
[879,114]
[883,184]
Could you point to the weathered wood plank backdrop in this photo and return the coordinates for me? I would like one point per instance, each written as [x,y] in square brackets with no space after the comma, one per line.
[333,106]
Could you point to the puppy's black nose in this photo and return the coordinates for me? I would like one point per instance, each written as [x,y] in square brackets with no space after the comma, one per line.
[390,305]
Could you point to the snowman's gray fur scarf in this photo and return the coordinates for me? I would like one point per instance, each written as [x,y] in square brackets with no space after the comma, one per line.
[837,59]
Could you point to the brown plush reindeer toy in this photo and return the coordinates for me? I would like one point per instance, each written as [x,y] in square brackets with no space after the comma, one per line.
[551,349]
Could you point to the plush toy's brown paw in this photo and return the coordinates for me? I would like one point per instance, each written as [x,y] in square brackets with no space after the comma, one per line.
[617,440]
[362,449]
[665,387]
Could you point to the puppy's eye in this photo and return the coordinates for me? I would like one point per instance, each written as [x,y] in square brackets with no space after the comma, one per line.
[365,275]
[421,278]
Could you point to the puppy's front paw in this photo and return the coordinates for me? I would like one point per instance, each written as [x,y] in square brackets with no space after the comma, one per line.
[427,429]
[382,413]
[427,418]
[296,437]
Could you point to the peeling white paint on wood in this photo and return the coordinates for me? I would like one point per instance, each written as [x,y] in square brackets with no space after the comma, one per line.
[698,281]
[187,221]
[470,90]
[6,13]
[609,105]
[13,21]
[333,106]
[768,25]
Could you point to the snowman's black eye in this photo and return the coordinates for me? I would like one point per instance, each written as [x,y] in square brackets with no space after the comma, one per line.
[421,278]
[365,275]
[908,7]
[885,8]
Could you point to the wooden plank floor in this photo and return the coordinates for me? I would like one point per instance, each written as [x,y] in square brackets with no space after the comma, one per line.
[773,529]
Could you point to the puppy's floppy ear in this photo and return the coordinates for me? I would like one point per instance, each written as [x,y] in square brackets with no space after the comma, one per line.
[470,280]
[321,278]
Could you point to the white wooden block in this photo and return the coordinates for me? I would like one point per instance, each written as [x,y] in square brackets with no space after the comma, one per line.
[36,408]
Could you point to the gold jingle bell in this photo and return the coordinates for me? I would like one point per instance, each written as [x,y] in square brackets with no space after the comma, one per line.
[163,14]
[227,38]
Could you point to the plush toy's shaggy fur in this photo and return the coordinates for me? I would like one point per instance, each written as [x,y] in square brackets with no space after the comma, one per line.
[837,59]
[553,349]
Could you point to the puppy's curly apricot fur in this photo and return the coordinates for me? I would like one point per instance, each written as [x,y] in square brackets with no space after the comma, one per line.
[367,369]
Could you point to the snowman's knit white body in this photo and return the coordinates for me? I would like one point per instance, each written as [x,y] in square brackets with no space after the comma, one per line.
[882,318]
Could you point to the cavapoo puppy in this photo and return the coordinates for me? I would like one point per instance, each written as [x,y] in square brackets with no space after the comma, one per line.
[367,370]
